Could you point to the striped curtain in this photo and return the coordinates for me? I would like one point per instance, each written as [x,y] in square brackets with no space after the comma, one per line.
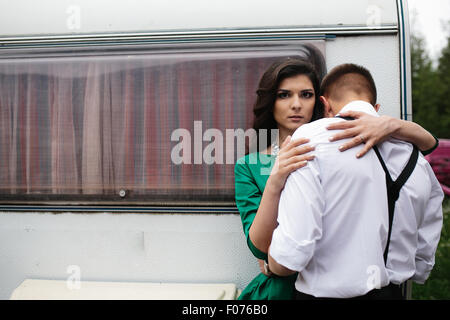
[96,125]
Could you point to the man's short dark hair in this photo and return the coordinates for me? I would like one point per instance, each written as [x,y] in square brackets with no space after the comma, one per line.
[347,77]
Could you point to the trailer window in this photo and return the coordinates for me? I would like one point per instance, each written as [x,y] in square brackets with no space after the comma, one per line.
[105,126]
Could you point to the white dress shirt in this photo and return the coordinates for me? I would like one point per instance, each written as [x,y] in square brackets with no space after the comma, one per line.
[333,217]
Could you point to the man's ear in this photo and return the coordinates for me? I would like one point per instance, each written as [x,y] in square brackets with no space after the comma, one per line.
[326,107]
[377,107]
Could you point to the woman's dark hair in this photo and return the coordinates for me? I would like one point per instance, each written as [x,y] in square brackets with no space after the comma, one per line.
[312,66]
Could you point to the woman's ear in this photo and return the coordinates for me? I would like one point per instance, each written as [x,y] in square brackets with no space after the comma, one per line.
[377,107]
[326,107]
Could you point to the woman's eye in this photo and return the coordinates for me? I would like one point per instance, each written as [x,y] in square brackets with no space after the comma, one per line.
[283,95]
[307,94]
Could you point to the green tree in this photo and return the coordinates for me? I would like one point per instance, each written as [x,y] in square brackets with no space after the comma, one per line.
[430,89]
[425,91]
[443,84]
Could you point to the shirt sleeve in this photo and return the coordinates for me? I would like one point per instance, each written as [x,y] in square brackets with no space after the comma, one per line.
[247,197]
[299,218]
[429,232]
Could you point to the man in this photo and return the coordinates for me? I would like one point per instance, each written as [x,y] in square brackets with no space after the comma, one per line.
[334,213]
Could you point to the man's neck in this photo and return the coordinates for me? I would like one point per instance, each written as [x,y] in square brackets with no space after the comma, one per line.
[336,107]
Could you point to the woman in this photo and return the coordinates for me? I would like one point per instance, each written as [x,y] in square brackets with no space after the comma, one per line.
[286,99]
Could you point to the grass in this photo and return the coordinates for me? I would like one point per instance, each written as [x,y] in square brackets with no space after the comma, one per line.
[438,284]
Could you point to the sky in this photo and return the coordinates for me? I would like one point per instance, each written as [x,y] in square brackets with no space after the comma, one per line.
[431,19]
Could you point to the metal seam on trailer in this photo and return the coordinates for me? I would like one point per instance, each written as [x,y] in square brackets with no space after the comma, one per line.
[118,209]
[404,116]
[203,36]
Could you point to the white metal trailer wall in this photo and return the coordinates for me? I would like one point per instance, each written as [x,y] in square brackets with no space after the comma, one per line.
[202,248]
[379,54]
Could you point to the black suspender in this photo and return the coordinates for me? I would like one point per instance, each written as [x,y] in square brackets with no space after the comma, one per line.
[393,187]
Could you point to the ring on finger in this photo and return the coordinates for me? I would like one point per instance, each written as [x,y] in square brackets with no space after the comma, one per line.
[362,138]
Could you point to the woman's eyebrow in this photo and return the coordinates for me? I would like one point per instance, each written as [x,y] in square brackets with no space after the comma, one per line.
[287,90]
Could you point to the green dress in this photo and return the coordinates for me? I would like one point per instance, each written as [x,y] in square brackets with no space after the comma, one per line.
[251,173]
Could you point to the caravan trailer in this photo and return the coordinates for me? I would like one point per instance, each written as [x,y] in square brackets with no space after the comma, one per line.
[111,181]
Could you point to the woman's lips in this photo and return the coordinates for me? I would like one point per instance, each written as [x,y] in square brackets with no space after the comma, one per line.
[296,118]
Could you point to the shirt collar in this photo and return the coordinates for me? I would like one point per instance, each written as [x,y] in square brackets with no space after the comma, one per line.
[359,105]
